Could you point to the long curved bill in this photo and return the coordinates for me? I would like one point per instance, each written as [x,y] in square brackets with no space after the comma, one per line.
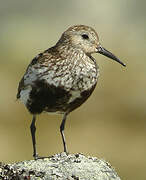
[108,54]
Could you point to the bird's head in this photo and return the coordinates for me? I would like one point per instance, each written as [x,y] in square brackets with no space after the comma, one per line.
[85,38]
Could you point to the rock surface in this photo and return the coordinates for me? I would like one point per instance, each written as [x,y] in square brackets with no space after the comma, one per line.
[60,167]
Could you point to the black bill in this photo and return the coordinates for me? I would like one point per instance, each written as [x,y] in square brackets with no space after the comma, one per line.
[106,53]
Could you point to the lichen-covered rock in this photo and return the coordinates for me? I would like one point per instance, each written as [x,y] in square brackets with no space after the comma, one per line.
[60,167]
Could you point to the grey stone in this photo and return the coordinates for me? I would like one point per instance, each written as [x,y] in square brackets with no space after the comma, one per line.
[60,167]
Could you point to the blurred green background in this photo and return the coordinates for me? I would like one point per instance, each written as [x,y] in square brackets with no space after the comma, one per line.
[112,123]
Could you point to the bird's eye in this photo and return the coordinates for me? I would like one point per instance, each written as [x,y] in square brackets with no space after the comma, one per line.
[85,36]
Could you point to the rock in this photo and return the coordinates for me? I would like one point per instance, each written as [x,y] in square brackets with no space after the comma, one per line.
[60,167]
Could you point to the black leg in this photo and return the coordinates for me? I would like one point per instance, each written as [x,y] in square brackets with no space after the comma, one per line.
[33,130]
[62,127]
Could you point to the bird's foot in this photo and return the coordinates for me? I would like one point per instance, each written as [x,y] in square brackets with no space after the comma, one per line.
[66,152]
[36,157]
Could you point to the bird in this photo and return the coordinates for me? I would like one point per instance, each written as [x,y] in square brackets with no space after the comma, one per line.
[61,78]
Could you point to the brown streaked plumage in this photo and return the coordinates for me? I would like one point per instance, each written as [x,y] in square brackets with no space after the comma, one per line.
[62,77]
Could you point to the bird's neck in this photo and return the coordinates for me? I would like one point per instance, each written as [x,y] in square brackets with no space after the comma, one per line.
[65,49]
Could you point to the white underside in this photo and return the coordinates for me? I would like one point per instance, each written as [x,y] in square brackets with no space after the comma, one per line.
[24,95]
[74,95]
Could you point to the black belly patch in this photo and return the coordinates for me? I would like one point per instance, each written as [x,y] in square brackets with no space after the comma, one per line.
[47,97]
